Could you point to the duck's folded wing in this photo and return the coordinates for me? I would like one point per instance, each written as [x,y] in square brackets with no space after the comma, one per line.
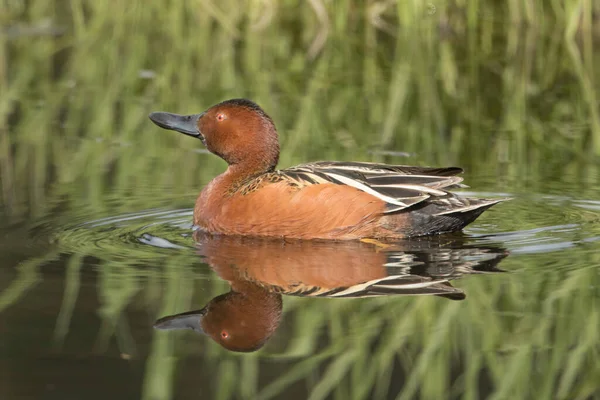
[398,185]
[390,285]
[369,168]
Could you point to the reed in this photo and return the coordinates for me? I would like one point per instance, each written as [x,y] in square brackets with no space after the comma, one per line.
[451,82]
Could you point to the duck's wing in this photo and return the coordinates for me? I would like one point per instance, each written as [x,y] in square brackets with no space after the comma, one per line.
[370,168]
[411,285]
[400,186]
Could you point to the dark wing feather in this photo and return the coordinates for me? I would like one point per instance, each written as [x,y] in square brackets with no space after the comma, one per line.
[398,186]
[376,168]
[436,182]
[389,285]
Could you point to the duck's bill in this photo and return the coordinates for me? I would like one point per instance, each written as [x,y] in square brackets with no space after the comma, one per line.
[187,124]
[188,320]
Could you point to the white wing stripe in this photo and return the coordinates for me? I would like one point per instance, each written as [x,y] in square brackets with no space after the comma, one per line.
[417,188]
[365,188]
[375,283]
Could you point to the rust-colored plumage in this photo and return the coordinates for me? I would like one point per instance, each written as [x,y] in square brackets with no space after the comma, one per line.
[260,270]
[321,200]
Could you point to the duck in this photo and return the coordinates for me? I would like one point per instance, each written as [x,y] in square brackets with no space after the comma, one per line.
[328,200]
[261,271]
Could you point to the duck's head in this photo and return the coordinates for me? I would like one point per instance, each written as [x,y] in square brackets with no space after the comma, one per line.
[237,130]
[237,321]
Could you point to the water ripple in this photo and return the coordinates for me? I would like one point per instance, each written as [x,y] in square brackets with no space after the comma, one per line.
[549,224]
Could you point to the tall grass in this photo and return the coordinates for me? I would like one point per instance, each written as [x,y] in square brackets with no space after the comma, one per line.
[509,89]
[470,84]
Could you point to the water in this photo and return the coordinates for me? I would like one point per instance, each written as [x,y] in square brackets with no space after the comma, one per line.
[80,300]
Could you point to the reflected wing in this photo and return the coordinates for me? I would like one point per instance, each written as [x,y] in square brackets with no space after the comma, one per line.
[390,285]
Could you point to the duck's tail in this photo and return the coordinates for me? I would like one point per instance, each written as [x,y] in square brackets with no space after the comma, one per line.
[448,214]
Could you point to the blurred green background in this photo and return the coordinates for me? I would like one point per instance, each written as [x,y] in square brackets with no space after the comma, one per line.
[508,90]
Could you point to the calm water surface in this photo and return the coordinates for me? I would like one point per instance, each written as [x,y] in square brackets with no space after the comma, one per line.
[478,310]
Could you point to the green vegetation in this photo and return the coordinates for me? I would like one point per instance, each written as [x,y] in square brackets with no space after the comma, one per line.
[510,90]
[512,86]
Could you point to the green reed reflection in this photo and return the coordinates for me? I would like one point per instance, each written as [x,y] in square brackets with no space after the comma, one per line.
[506,90]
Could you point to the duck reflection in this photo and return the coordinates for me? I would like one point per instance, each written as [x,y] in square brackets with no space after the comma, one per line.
[259,271]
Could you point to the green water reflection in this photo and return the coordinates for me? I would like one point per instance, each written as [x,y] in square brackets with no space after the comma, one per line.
[260,271]
[95,221]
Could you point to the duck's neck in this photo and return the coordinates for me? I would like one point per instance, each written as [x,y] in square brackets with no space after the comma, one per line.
[246,170]
[231,180]
[238,174]
[224,186]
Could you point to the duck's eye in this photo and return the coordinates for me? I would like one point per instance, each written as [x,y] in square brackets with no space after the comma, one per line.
[221,117]
[225,334]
